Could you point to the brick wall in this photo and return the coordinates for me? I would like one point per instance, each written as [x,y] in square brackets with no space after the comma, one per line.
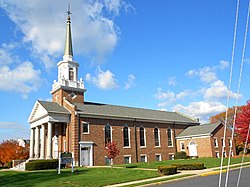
[96,134]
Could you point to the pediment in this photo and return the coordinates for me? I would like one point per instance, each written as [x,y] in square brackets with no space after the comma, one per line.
[37,112]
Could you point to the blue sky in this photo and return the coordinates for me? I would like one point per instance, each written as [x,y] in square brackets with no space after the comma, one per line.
[170,55]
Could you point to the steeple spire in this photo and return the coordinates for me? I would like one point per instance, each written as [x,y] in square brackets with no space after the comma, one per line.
[68,50]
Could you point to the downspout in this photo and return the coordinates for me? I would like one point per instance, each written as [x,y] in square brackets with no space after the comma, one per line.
[136,146]
[175,142]
[79,136]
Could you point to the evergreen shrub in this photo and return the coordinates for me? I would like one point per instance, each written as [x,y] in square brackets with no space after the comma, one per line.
[167,170]
[42,165]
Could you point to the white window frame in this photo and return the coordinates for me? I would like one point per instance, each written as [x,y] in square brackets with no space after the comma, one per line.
[83,128]
[64,145]
[216,145]
[172,155]
[129,146]
[223,142]
[172,142]
[129,160]
[232,153]
[181,146]
[111,130]
[159,136]
[146,157]
[217,154]
[224,154]
[230,142]
[158,154]
[145,139]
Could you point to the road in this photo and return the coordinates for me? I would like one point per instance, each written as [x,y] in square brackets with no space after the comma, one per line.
[213,180]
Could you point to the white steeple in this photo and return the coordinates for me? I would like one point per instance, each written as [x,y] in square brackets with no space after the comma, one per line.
[67,68]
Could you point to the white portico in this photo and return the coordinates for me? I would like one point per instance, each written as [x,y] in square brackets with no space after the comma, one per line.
[48,121]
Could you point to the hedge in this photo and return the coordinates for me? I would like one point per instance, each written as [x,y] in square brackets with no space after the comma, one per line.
[131,166]
[180,155]
[167,170]
[192,166]
[42,164]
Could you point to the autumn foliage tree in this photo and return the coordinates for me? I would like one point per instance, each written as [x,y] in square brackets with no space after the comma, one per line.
[220,118]
[243,122]
[112,151]
[10,150]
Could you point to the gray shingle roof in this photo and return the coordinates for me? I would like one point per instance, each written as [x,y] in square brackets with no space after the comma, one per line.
[105,110]
[53,107]
[205,129]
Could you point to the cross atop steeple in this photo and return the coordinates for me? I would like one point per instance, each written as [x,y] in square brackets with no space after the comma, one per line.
[68,50]
[68,12]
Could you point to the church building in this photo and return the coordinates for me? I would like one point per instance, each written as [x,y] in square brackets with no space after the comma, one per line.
[69,123]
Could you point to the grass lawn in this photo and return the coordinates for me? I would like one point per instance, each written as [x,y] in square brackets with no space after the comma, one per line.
[208,162]
[85,177]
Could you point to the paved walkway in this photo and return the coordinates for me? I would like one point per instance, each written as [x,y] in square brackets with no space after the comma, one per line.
[194,173]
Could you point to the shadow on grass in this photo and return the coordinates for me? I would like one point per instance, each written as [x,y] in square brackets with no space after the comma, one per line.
[39,178]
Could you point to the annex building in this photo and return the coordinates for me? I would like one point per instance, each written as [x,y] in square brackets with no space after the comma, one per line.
[69,123]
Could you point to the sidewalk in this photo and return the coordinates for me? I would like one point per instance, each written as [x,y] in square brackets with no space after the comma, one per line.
[194,173]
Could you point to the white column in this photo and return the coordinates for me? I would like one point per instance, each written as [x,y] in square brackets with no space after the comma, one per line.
[37,141]
[31,143]
[42,142]
[49,142]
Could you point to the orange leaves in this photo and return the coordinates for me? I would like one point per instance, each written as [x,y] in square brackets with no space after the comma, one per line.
[10,150]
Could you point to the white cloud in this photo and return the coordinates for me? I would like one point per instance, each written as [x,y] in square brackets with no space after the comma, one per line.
[130,82]
[104,80]
[218,91]
[201,109]
[23,78]
[169,97]
[12,130]
[43,24]
[208,74]
[172,81]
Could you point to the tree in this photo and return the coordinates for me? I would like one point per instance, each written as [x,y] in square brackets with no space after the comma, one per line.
[220,118]
[10,150]
[112,151]
[243,122]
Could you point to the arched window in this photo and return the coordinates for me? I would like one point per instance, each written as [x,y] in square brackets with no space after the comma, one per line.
[71,74]
[142,137]
[170,138]
[157,138]
[107,134]
[125,137]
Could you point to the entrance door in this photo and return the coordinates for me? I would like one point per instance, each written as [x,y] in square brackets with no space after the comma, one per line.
[55,147]
[192,149]
[85,155]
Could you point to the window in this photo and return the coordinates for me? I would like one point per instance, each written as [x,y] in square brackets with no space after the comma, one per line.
[230,142]
[64,145]
[107,161]
[107,134]
[127,159]
[126,136]
[157,157]
[222,142]
[142,137]
[170,138]
[157,138]
[143,158]
[232,153]
[182,146]
[71,74]
[224,154]
[215,142]
[171,156]
[217,154]
[85,128]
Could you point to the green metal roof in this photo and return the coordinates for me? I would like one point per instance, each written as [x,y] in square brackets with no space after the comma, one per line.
[114,111]
[53,107]
[205,129]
